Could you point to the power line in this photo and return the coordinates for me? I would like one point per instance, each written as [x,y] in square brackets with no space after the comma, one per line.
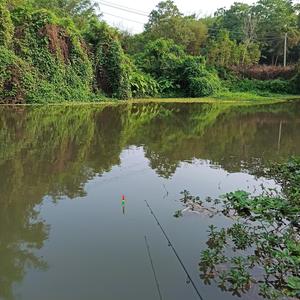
[258,39]
[144,14]
[128,10]
[126,7]
[211,35]
[267,36]
[125,19]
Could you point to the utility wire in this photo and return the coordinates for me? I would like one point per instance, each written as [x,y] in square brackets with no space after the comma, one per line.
[124,9]
[153,269]
[125,19]
[268,37]
[256,39]
[175,252]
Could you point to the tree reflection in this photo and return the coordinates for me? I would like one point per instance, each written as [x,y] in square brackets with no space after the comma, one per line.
[21,232]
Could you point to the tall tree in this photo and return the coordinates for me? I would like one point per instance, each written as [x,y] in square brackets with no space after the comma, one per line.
[187,32]
[236,20]
[164,10]
[225,52]
[275,19]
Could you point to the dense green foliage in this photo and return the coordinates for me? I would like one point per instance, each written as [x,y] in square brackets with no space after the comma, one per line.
[233,40]
[6,26]
[53,50]
[17,81]
[261,246]
[45,58]
[112,67]
[175,70]
[57,67]
[225,52]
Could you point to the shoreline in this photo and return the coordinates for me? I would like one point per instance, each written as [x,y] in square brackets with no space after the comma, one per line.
[225,98]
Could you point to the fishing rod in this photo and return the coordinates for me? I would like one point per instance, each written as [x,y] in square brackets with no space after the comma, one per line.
[174,250]
[153,269]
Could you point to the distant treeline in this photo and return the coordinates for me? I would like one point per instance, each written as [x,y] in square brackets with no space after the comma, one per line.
[61,50]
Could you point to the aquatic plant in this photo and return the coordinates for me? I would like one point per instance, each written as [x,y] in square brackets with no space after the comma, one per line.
[262,246]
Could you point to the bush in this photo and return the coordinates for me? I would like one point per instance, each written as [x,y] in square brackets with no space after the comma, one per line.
[264,72]
[54,54]
[6,27]
[270,86]
[234,82]
[162,59]
[143,85]
[197,80]
[16,81]
[204,86]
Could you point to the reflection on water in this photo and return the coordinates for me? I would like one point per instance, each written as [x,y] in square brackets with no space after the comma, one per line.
[49,155]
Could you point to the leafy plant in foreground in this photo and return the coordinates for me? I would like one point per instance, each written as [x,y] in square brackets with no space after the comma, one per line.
[262,246]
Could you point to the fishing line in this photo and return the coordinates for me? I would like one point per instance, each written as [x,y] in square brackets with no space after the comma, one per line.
[153,269]
[175,252]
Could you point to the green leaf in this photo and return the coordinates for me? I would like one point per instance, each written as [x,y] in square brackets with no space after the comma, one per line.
[293,283]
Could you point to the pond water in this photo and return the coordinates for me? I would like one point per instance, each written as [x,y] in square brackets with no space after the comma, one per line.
[65,232]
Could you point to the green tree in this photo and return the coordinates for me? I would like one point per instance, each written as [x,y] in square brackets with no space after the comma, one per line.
[275,18]
[188,32]
[235,20]
[162,59]
[225,52]
[164,10]
[166,21]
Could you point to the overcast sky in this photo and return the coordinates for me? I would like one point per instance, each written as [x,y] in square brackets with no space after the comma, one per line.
[114,16]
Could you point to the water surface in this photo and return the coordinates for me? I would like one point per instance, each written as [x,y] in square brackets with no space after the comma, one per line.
[64,233]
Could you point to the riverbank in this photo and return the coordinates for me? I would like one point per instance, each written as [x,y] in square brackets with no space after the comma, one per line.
[226,97]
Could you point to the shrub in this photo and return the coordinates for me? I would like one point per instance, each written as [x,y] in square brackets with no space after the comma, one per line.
[197,80]
[236,84]
[54,54]
[162,59]
[205,85]
[271,86]
[143,85]
[13,84]
[264,72]
[6,27]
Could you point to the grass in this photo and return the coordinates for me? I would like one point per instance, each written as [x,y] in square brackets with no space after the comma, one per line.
[246,96]
[224,97]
